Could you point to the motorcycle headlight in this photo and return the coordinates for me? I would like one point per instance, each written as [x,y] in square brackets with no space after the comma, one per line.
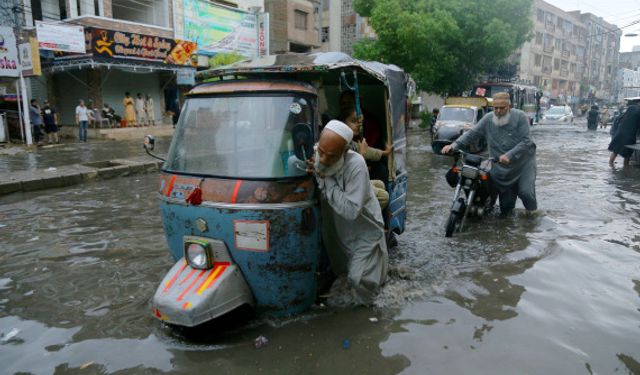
[470,172]
[198,254]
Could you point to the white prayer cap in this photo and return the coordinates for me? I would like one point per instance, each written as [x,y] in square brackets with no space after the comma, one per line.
[341,129]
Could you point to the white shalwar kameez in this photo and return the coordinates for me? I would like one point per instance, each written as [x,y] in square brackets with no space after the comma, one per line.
[353,228]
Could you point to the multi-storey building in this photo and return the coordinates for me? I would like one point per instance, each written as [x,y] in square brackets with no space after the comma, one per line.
[629,60]
[553,60]
[601,55]
[628,81]
[295,25]
[571,55]
[354,27]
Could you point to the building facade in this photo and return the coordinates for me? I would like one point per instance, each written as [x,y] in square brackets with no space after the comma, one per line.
[554,59]
[572,55]
[628,81]
[136,46]
[629,60]
[295,25]
[601,56]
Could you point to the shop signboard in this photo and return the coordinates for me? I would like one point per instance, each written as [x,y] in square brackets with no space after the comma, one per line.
[8,53]
[217,29]
[263,34]
[108,45]
[30,58]
[65,38]
[132,46]
[186,77]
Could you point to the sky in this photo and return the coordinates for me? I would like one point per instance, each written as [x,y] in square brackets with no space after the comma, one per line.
[617,12]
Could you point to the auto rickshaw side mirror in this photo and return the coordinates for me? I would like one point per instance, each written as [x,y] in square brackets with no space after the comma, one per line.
[302,136]
[149,142]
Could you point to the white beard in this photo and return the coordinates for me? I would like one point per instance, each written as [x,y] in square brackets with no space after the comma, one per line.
[501,120]
[327,171]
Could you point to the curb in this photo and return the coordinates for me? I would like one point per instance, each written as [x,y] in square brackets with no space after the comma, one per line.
[42,179]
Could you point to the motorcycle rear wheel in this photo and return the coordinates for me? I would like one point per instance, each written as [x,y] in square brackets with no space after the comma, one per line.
[453,223]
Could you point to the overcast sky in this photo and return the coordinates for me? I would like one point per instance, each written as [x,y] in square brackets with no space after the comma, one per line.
[617,12]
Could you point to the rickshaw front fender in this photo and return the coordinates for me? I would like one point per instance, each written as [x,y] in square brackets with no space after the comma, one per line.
[189,297]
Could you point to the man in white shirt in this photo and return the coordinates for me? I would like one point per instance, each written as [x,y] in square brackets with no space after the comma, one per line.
[82,120]
[141,114]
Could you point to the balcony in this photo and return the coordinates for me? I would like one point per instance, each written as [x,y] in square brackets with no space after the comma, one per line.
[546,69]
[548,49]
[566,54]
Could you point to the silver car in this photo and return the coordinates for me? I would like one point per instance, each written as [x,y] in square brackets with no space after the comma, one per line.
[556,114]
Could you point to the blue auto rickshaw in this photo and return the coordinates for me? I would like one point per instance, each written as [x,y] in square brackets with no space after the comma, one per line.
[240,213]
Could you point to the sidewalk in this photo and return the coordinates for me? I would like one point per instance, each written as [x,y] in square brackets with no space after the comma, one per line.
[35,168]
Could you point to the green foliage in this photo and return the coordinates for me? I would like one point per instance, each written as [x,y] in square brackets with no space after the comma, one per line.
[425,117]
[444,44]
[222,59]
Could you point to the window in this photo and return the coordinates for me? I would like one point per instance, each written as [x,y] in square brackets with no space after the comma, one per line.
[538,38]
[150,12]
[556,64]
[36,10]
[538,60]
[324,38]
[300,19]
[540,15]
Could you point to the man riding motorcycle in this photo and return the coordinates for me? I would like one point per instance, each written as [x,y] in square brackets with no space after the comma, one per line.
[507,133]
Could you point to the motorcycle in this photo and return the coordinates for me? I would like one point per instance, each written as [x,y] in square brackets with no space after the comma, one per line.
[473,194]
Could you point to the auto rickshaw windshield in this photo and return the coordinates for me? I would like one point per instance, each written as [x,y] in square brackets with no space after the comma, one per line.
[456,114]
[240,136]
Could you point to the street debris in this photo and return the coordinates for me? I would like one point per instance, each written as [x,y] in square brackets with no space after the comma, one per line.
[261,342]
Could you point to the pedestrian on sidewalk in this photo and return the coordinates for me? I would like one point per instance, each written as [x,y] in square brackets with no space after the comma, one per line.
[36,120]
[140,112]
[129,109]
[82,120]
[50,117]
[150,110]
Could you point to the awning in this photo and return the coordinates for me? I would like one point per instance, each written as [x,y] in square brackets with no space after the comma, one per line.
[130,66]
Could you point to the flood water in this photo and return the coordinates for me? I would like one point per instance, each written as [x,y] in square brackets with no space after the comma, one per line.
[557,293]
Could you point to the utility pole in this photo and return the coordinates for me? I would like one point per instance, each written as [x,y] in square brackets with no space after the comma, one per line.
[589,45]
[26,120]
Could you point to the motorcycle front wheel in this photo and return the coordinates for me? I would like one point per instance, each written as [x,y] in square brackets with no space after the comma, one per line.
[453,223]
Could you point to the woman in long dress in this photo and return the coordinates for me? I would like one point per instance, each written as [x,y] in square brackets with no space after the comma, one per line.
[129,109]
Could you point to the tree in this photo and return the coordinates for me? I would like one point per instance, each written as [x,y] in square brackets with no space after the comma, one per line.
[444,44]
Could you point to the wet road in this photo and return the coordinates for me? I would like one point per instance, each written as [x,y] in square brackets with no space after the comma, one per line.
[72,152]
[558,293]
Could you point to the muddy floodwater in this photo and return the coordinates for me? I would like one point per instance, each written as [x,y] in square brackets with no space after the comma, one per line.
[556,293]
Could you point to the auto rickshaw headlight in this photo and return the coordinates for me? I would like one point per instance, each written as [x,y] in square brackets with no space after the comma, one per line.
[198,254]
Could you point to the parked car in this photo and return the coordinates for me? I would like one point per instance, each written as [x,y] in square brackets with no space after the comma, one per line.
[458,115]
[556,114]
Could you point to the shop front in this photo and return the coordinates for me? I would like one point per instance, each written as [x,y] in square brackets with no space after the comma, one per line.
[117,62]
